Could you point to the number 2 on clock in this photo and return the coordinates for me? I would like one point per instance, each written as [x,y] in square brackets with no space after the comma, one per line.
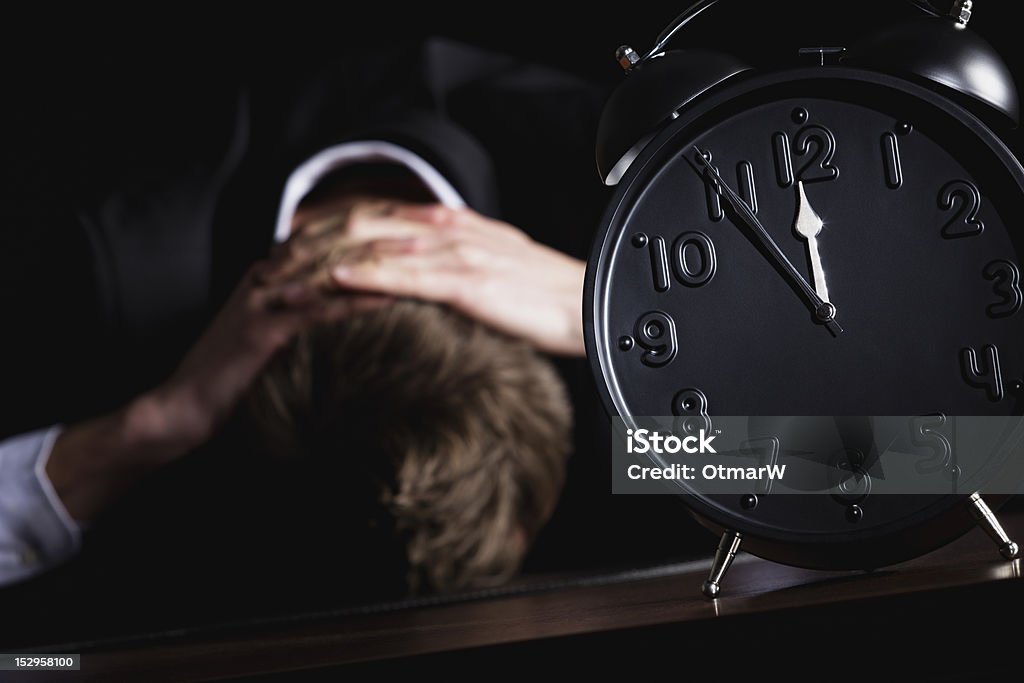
[963,198]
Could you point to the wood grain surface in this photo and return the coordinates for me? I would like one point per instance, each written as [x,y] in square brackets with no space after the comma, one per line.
[936,607]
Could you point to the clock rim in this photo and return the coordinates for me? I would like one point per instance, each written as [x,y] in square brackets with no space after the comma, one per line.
[929,528]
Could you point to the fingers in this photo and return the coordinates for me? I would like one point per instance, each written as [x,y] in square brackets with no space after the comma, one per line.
[432,214]
[435,275]
[430,252]
[329,237]
[280,318]
[316,277]
[312,225]
[331,216]
[290,260]
[303,253]
[311,300]
[465,220]
[367,226]
[292,295]
[352,222]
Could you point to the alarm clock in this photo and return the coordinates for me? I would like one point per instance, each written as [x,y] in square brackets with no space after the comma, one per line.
[840,237]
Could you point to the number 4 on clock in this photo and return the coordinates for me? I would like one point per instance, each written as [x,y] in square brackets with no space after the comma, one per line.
[987,376]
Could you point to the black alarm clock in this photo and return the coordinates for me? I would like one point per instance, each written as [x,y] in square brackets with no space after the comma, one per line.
[842,237]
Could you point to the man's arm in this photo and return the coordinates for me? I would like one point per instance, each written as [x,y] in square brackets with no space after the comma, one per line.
[53,480]
[355,255]
[35,528]
[94,462]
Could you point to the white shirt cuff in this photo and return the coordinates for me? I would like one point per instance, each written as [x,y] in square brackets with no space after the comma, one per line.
[36,531]
[310,172]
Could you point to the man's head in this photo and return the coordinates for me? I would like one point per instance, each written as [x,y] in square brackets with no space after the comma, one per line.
[461,433]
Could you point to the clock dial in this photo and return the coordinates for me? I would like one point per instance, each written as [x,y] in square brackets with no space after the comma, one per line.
[900,201]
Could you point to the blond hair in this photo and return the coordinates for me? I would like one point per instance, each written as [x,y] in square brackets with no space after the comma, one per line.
[472,429]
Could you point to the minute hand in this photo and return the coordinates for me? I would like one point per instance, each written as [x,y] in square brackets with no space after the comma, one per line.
[823,311]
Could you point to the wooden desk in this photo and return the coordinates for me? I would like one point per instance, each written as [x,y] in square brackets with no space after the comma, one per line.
[934,618]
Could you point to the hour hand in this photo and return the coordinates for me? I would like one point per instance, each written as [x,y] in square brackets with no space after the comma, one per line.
[808,226]
[823,311]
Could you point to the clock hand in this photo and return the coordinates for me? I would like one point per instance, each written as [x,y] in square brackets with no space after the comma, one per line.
[823,311]
[808,226]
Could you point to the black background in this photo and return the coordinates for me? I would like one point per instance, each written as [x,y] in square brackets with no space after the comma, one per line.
[287,35]
[58,68]
[55,65]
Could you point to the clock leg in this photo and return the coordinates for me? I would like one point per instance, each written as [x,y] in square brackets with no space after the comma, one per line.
[987,520]
[727,549]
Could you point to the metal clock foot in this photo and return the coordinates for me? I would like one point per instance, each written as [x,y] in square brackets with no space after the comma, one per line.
[727,549]
[987,520]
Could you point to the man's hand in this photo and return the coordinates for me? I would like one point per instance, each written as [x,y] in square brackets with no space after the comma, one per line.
[488,270]
[259,318]
[93,462]
[341,259]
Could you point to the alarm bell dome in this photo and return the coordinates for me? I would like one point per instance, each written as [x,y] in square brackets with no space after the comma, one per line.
[946,52]
[649,97]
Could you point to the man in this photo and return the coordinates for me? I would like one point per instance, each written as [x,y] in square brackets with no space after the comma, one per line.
[196,203]
[167,234]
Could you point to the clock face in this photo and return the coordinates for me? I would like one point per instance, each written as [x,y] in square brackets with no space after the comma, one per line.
[890,203]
